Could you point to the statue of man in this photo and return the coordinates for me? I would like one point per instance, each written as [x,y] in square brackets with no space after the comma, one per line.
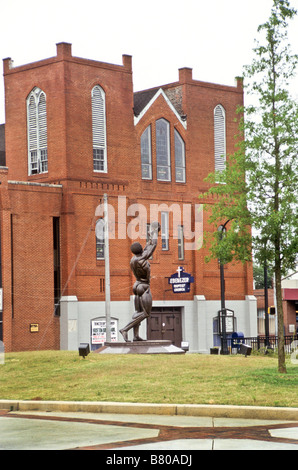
[140,266]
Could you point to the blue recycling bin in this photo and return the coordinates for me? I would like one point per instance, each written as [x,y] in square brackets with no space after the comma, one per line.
[237,340]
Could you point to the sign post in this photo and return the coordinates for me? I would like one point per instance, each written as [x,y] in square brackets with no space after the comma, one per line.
[226,326]
[107,271]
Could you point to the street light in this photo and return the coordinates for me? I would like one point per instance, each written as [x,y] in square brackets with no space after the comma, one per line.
[224,345]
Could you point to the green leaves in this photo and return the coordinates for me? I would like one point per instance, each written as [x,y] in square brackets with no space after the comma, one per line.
[259,186]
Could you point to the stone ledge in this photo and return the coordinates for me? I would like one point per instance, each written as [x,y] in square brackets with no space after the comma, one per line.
[140,347]
[216,411]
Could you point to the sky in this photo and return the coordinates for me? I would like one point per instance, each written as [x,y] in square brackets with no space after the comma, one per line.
[215,38]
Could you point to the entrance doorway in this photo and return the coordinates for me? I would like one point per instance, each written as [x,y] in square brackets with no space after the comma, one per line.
[165,324]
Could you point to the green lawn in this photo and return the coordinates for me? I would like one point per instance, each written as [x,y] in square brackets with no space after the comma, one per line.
[189,378]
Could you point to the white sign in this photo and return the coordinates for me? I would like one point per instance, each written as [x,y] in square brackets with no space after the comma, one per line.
[98,333]
[229,325]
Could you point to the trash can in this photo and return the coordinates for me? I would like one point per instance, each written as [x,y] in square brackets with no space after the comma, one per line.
[236,341]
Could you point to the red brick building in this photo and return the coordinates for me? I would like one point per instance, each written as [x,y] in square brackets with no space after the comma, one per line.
[290,308]
[74,131]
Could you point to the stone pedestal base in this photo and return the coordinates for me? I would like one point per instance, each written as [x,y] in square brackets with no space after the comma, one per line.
[140,347]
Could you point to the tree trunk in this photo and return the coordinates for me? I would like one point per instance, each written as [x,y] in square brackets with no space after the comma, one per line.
[280,322]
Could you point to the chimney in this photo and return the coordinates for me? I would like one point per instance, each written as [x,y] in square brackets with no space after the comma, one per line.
[127,61]
[185,75]
[63,50]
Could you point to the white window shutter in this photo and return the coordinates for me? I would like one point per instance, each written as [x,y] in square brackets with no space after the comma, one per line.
[99,129]
[32,124]
[37,132]
[219,138]
[42,121]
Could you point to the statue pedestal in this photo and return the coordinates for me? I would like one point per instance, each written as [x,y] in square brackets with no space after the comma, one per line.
[140,347]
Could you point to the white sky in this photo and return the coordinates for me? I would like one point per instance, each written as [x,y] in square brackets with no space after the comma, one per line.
[213,37]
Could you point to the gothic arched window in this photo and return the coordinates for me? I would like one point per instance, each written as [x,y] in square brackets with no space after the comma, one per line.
[37,132]
[219,138]
[99,129]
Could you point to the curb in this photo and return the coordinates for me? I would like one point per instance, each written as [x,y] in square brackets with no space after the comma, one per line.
[213,411]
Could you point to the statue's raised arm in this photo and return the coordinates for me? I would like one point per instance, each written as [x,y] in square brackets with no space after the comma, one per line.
[154,229]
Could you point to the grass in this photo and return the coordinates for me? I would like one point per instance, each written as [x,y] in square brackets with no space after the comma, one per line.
[190,378]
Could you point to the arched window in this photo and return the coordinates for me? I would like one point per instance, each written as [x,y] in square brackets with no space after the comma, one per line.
[163,160]
[146,158]
[219,138]
[99,129]
[179,158]
[37,132]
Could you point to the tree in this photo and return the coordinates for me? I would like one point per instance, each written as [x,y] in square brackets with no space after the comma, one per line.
[259,186]
[258,272]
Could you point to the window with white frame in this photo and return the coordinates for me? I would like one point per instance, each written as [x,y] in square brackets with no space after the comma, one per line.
[179,158]
[164,231]
[163,160]
[100,239]
[180,242]
[37,132]
[219,138]
[99,129]
[146,154]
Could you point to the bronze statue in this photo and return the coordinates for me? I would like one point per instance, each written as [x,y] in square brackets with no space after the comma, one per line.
[140,266]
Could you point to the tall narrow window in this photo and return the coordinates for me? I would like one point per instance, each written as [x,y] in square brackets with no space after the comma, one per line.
[164,231]
[146,154]
[100,239]
[163,150]
[179,158]
[37,132]
[180,242]
[219,138]
[56,248]
[99,129]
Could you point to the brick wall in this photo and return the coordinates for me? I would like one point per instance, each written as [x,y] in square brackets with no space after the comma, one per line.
[67,82]
[27,268]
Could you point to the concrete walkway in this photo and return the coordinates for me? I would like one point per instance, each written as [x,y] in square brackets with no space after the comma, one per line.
[39,425]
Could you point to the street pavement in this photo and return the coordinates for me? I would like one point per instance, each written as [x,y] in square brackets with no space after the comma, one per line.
[162,429]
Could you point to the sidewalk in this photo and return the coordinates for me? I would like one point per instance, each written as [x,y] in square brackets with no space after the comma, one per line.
[41,425]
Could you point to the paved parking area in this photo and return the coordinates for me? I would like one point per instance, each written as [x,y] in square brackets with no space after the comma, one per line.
[56,430]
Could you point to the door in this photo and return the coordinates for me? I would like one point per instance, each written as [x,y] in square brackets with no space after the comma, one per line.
[164,323]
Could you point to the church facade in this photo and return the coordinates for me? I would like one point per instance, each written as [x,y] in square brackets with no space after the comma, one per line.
[76,133]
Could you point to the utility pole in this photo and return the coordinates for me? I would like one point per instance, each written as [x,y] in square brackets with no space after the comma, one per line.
[107,271]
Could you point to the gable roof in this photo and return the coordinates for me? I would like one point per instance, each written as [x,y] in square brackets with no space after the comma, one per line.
[143,100]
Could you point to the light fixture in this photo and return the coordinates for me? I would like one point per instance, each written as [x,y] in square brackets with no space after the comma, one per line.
[245,349]
[84,349]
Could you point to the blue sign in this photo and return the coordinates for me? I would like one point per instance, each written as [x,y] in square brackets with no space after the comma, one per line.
[181,281]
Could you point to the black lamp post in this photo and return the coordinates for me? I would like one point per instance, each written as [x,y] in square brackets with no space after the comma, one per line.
[267,342]
[222,318]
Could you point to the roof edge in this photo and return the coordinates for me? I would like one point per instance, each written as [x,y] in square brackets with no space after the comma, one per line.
[160,92]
